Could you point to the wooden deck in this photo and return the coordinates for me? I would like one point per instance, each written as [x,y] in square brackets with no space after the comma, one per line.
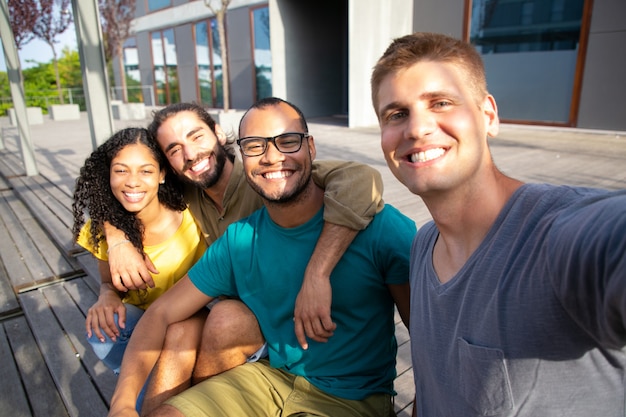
[47,285]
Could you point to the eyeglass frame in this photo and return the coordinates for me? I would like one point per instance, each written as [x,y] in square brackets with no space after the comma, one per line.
[272,139]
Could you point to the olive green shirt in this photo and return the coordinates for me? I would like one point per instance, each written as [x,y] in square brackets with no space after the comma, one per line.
[352,196]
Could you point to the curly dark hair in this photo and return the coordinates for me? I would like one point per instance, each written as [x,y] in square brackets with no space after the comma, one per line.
[160,116]
[93,196]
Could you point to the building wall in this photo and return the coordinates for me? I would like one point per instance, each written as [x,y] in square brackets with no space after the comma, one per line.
[443,16]
[308,42]
[372,26]
[604,83]
[323,52]
[186,60]
[241,60]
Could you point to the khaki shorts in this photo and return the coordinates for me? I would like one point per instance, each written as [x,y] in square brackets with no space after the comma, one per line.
[256,389]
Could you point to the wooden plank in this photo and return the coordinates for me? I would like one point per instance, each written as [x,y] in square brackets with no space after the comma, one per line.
[39,254]
[45,214]
[72,321]
[89,265]
[58,203]
[10,165]
[14,402]
[44,399]
[79,395]
[18,273]
[4,185]
[8,300]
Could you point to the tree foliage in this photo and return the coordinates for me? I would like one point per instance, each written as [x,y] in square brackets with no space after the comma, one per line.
[23,16]
[53,18]
[40,82]
[116,17]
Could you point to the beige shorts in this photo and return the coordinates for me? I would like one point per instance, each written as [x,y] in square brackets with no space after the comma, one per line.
[256,389]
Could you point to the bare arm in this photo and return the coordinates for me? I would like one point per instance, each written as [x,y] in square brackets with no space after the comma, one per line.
[401,294]
[178,303]
[101,315]
[352,196]
[129,269]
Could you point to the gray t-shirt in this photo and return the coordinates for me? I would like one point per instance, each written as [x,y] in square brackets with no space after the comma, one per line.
[534,322]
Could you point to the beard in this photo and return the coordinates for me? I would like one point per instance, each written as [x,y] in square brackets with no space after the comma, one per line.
[211,177]
[299,191]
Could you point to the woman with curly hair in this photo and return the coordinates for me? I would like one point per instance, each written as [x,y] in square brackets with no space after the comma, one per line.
[126,182]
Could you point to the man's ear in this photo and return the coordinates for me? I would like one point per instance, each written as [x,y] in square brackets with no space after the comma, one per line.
[492,122]
[312,150]
[221,136]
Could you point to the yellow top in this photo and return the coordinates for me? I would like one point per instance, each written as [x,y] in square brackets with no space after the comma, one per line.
[172,258]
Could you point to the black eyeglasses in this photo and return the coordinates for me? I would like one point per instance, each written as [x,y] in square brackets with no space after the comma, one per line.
[289,142]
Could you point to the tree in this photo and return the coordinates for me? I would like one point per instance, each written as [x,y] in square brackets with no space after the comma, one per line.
[220,16]
[116,17]
[53,18]
[23,17]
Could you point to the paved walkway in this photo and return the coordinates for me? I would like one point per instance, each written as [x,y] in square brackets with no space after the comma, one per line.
[533,154]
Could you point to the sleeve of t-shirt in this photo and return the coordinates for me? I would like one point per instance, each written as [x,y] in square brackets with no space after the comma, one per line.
[84,240]
[213,273]
[352,192]
[587,252]
[395,237]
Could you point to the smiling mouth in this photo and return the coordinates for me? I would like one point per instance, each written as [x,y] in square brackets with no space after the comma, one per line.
[134,197]
[275,175]
[199,166]
[428,155]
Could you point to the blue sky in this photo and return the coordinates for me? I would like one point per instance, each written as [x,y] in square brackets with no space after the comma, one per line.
[39,51]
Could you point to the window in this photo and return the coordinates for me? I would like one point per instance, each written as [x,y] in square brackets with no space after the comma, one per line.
[500,26]
[209,63]
[154,5]
[262,53]
[131,70]
[165,67]
[530,51]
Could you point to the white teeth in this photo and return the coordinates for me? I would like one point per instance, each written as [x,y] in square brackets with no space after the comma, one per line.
[428,155]
[200,165]
[134,195]
[277,175]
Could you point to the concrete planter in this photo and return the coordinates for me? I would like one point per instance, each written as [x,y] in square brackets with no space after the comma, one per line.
[228,120]
[34,115]
[128,111]
[64,112]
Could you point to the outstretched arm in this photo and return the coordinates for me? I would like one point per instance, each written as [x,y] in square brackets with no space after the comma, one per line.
[352,196]
[129,269]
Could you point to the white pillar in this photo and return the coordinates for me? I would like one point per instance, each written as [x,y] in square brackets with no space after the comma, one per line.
[17,90]
[93,66]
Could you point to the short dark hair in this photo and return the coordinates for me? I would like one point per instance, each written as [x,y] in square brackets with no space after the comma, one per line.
[275,101]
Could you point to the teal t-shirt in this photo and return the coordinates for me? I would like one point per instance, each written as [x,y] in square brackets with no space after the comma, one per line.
[263,264]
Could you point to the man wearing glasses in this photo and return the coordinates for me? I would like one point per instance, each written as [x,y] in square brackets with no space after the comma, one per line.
[261,259]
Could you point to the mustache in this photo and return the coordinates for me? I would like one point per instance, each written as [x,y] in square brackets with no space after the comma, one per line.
[197,159]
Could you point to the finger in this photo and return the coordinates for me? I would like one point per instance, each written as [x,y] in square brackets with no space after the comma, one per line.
[151,266]
[121,316]
[146,277]
[300,333]
[107,323]
[327,323]
[311,334]
[134,281]
[118,283]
